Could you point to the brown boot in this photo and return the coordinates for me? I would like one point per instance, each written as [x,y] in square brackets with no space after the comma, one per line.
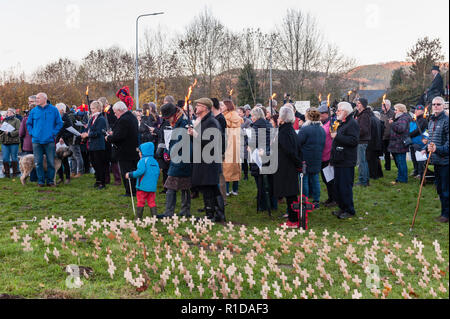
[14,168]
[7,169]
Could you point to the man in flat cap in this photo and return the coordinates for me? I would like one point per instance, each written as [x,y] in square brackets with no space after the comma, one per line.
[206,134]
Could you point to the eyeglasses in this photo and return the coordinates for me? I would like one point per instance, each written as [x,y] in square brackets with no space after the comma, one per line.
[435,104]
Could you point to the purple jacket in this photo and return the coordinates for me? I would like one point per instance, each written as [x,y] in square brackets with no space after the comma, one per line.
[399,132]
[23,133]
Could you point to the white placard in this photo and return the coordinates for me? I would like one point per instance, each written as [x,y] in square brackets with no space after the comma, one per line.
[256,158]
[248,131]
[59,145]
[78,123]
[420,157]
[167,137]
[73,131]
[302,106]
[6,127]
[328,172]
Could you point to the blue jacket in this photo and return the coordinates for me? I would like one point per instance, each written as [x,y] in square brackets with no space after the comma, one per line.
[180,168]
[147,172]
[96,136]
[311,139]
[44,123]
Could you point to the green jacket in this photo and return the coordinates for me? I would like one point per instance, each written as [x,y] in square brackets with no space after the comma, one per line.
[14,135]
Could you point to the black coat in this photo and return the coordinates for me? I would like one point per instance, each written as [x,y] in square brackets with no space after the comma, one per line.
[206,174]
[344,150]
[253,142]
[125,137]
[223,125]
[363,119]
[376,141]
[144,131]
[160,147]
[436,88]
[63,133]
[285,179]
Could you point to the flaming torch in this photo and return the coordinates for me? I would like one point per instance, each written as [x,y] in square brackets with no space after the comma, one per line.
[231,94]
[320,98]
[328,100]
[186,99]
[425,114]
[348,95]
[87,98]
[271,108]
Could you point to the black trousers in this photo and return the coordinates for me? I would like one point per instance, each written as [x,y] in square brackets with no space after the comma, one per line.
[292,215]
[65,168]
[245,167]
[387,155]
[127,166]
[374,162]
[86,161]
[98,159]
[329,185]
[343,188]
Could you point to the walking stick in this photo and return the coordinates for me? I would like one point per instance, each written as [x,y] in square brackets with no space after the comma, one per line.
[300,220]
[131,194]
[420,191]
[23,220]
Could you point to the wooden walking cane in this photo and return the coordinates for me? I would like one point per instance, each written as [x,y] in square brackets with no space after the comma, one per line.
[420,191]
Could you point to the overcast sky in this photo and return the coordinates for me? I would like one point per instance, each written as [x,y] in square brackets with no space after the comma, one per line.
[37,32]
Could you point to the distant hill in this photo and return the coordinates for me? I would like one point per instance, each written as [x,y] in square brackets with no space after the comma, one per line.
[375,76]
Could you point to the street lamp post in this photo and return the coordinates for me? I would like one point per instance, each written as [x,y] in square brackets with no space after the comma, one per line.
[136,78]
[270,78]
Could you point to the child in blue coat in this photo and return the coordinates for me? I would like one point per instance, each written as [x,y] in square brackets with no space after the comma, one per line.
[146,175]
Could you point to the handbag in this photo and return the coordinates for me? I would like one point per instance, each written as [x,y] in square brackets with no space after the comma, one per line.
[407,141]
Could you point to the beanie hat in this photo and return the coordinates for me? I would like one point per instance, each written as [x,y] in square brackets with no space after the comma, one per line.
[364,102]
[323,108]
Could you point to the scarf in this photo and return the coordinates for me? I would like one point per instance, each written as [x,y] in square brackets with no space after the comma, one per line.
[176,117]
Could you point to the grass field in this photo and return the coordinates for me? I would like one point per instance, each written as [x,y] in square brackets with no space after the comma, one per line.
[277,260]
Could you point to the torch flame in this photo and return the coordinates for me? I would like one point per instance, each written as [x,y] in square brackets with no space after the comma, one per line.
[195,83]
[384,98]
[414,117]
[320,97]
[186,99]
[335,126]
[87,90]
[425,114]
[349,92]
[328,99]
[273,96]
[231,92]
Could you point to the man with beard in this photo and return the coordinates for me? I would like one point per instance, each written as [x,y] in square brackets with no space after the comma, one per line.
[206,170]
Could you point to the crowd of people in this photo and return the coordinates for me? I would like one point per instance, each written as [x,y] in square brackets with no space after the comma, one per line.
[206,147]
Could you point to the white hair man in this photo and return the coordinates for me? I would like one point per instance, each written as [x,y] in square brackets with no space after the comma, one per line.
[438,146]
[43,124]
[125,138]
[343,159]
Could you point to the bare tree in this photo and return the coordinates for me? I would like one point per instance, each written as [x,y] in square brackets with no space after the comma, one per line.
[61,71]
[299,48]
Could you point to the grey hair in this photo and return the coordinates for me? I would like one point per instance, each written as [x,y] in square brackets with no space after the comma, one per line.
[61,106]
[439,98]
[388,102]
[32,97]
[377,114]
[274,103]
[169,99]
[287,114]
[120,106]
[346,107]
[44,94]
[258,113]
[103,101]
